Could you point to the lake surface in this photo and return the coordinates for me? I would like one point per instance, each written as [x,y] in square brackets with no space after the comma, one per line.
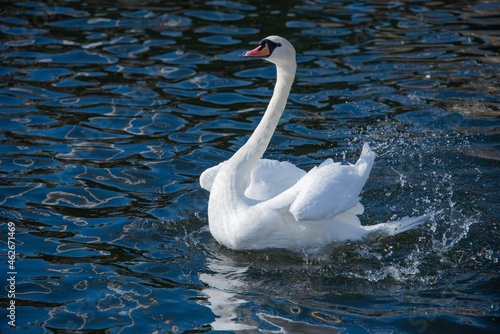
[110,111]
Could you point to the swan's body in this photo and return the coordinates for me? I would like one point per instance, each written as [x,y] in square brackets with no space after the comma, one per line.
[259,203]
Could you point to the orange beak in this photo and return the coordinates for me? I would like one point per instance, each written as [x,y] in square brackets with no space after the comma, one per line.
[259,52]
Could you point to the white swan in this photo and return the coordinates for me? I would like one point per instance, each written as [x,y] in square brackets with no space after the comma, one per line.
[259,203]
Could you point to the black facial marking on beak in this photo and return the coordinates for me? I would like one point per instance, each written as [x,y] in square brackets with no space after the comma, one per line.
[264,50]
[270,44]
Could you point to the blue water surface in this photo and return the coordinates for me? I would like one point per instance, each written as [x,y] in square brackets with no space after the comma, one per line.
[111,110]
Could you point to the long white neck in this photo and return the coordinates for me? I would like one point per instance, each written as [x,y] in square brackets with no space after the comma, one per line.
[247,156]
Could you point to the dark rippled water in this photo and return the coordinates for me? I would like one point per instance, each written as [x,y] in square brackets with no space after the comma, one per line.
[111,110]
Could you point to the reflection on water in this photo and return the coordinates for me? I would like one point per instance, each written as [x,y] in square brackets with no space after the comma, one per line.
[110,112]
[222,286]
[231,299]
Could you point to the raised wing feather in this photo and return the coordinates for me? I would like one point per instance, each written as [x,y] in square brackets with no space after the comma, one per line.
[208,176]
[271,177]
[324,192]
[268,178]
[331,188]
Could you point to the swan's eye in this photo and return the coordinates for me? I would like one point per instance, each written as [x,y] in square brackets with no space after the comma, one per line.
[264,50]
[270,44]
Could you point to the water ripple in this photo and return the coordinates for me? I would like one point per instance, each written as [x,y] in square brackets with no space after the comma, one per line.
[182,58]
[215,15]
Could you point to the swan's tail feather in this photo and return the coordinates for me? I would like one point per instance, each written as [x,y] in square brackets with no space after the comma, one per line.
[400,226]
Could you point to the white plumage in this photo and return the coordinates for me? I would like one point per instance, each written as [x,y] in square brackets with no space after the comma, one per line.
[260,203]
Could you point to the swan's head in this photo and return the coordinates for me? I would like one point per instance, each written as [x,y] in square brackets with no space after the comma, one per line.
[275,49]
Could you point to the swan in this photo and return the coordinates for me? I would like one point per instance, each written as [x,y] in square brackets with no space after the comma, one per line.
[257,203]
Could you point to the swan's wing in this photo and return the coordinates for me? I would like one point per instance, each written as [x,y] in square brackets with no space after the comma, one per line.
[271,177]
[208,176]
[327,190]
[267,179]
[331,188]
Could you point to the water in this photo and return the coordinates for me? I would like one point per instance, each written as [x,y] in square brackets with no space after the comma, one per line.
[111,110]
